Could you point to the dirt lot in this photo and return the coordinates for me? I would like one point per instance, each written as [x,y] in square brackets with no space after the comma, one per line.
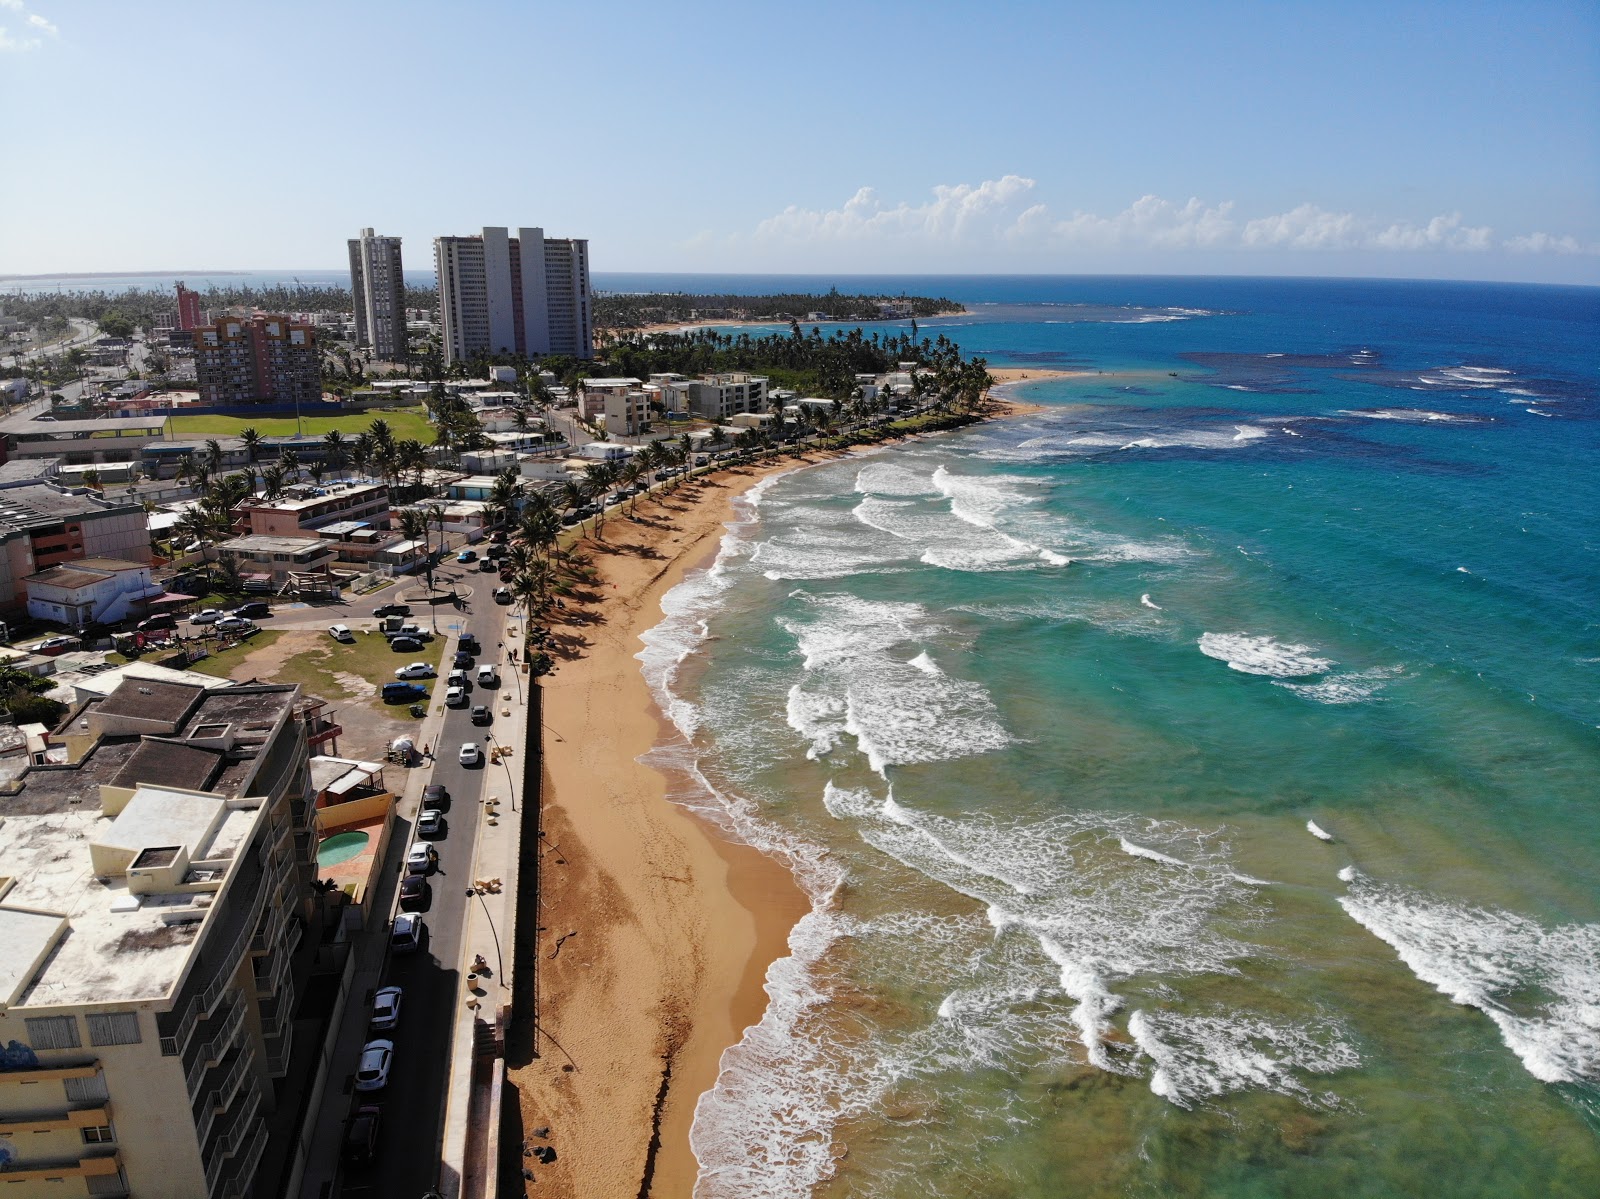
[349,677]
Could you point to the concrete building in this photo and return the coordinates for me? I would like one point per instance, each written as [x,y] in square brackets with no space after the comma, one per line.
[43,526]
[379,285]
[158,884]
[718,397]
[267,561]
[91,591]
[257,359]
[526,294]
[189,314]
[626,413]
[305,511]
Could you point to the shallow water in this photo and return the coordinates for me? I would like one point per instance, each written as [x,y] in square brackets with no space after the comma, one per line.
[1040,712]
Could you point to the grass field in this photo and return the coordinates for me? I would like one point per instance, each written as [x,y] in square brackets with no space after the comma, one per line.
[404,423]
[318,669]
[221,665]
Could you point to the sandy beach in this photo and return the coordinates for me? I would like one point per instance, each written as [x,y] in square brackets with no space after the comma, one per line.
[655,932]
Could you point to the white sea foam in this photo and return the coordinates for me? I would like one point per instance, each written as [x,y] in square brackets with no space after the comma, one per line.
[1352,688]
[1204,1056]
[1317,831]
[1539,984]
[1412,415]
[1151,855]
[1254,654]
[898,710]
[1148,602]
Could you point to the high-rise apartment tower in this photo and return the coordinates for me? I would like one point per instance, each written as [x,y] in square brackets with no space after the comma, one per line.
[526,294]
[189,316]
[379,285]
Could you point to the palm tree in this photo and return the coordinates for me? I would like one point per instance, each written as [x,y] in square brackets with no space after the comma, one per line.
[252,448]
[272,482]
[334,451]
[214,456]
[503,496]
[361,452]
[290,462]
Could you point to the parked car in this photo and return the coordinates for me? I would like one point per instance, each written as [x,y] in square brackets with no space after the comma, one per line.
[372,1072]
[502,595]
[414,631]
[401,693]
[361,1134]
[457,678]
[413,892]
[254,610]
[482,715]
[486,565]
[341,632]
[386,1008]
[421,858]
[467,556]
[150,623]
[406,934]
[206,616]
[406,645]
[436,795]
[471,755]
[455,697]
[393,610]
[417,670]
[235,625]
[488,676]
[462,660]
[429,822]
[469,644]
[51,646]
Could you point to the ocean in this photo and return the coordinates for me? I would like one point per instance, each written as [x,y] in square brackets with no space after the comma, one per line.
[1197,783]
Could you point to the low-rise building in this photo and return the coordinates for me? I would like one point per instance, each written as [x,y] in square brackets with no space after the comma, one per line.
[43,526]
[592,401]
[718,397]
[159,868]
[267,561]
[303,511]
[91,591]
[626,413]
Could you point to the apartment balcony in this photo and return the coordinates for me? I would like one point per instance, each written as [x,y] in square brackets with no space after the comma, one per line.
[266,937]
[231,1075]
[238,923]
[236,1181]
[270,972]
[278,1059]
[241,1128]
[215,1049]
[101,1174]
[277,1012]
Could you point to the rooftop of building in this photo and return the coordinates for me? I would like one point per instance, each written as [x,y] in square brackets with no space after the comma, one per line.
[68,577]
[77,936]
[267,543]
[301,499]
[40,504]
[148,699]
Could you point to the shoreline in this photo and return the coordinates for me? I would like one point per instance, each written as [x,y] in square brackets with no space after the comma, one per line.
[722,323]
[655,928]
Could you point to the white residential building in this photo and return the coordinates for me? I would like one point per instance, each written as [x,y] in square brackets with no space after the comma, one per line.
[717,397]
[378,281]
[90,591]
[526,294]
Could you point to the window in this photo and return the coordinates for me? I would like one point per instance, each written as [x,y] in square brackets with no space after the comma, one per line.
[86,1090]
[53,1032]
[98,1134]
[114,1028]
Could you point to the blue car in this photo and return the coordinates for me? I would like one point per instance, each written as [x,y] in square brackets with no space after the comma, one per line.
[467,556]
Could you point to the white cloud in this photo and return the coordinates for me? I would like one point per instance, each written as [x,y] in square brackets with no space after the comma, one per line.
[956,212]
[1546,243]
[1006,213]
[35,29]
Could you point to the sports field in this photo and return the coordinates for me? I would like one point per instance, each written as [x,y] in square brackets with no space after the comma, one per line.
[404,423]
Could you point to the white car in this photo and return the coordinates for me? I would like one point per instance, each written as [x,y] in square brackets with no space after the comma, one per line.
[406,935]
[417,670]
[386,1008]
[341,632]
[454,697]
[372,1072]
[457,678]
[471,755]
[206,616]
[421,858]
[234,624]
[488,677]
[429,821]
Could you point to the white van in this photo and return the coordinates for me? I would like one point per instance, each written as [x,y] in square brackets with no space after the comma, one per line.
[487,677]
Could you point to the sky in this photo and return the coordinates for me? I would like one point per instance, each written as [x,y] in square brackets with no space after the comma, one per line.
[1442,140]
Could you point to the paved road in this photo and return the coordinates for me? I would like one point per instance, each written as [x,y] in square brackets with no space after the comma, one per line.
[414,1102]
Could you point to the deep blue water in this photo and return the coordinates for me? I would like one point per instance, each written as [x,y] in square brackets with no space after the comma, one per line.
[1044,711]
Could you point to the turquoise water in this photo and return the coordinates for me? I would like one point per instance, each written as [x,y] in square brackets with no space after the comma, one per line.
[1196,782]
[340,847]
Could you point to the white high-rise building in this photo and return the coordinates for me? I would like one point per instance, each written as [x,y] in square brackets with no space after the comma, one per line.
[379,284]
[526,294]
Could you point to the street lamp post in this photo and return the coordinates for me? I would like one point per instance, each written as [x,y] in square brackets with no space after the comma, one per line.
[511,781]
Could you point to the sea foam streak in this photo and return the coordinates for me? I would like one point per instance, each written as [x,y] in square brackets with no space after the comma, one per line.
[1317,831]
[1202,1056]
[1254,654]
[1540,985]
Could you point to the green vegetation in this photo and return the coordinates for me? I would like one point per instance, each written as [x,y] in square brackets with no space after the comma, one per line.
[222,664]
[141,306]
[324,668]
[21,694]
[808,363]
[403,423]
[631,311]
